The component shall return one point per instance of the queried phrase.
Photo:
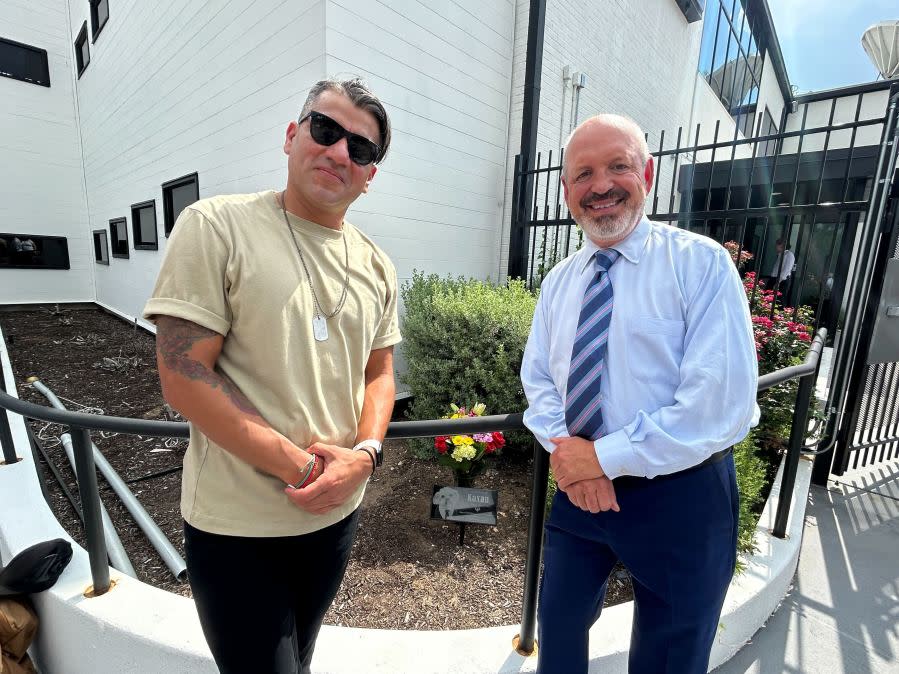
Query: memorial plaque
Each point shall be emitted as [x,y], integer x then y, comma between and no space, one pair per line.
[464,504]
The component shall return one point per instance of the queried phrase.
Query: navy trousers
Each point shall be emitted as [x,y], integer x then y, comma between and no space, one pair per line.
[676,535]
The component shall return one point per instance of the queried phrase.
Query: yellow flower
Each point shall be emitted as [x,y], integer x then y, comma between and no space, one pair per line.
[464,452]
[479,409]
[462,440]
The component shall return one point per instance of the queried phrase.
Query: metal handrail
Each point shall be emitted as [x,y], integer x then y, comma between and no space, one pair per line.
[81,425]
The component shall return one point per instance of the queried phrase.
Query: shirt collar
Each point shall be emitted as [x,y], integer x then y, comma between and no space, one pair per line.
[631,248]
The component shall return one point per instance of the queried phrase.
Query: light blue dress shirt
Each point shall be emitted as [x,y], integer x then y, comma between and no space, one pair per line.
[680,375]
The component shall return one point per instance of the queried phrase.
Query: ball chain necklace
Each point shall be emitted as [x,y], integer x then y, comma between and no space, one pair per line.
[319,319]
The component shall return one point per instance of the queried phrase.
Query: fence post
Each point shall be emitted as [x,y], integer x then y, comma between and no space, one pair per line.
[797,440]
[9,451]
[90,506]
[525,644]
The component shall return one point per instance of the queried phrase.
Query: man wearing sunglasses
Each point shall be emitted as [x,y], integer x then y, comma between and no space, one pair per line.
[276,320]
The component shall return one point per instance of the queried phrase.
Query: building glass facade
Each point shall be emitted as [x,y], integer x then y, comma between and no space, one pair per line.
[730,60]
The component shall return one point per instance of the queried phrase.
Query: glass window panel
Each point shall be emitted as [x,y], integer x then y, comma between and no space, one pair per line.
[741,26]
[102,12]
[182,197]
[147,224]
[709,29]
[721,45]
[733,69]
[21,62]
[101,247]
[33,251]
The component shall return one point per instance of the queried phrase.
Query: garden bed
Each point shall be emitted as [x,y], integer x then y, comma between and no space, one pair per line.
[96,362]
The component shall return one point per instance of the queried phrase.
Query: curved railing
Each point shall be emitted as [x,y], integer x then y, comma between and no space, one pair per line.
[80,427]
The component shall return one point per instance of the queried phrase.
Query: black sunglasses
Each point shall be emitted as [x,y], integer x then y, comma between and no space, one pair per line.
[325,131]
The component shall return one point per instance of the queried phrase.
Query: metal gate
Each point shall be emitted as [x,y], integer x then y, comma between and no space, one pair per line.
[823,186]
[868,429]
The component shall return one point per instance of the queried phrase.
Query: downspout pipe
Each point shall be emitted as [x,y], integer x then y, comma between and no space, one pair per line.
[117,555]
[519,239]
[157,538]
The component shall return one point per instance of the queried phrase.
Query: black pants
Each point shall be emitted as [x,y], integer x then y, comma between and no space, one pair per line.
[262,600]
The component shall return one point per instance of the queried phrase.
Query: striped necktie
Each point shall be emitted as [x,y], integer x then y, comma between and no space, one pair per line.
[583,409]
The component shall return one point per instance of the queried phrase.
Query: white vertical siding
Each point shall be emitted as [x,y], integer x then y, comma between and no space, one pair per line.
[640,60]
[180,87]
[443,71]
[41,185]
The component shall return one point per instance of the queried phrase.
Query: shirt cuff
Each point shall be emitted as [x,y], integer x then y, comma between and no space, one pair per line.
[617,456]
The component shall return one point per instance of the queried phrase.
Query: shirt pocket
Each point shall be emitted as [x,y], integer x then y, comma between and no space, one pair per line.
[655,349]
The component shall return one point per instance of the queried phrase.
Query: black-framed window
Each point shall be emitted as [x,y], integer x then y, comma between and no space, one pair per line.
[730,59]
[23,62]
[143,224]
[99,16]
[176,196]
[33,251]
[101,247]
[118,236]
[82,50]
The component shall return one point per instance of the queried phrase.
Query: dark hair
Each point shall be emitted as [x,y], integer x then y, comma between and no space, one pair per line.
[362,97]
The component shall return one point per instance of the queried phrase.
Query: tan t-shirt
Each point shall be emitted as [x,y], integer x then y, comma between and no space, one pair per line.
[232,266]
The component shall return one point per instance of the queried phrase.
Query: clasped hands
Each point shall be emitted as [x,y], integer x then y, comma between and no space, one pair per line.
[579,474]
[342,472]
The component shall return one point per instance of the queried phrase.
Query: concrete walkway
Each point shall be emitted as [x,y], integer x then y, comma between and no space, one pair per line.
[842,614]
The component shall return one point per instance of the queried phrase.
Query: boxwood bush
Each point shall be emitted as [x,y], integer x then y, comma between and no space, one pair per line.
[463,340]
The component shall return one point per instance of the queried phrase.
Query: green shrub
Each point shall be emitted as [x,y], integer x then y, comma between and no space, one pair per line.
[750,482]
[463,340]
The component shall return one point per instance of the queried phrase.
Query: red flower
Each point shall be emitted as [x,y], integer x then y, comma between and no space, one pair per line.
[498,439]
[440,444]
[490,448]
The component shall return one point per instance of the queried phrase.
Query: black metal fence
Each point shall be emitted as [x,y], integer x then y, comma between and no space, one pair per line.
[809,183]
[80,426]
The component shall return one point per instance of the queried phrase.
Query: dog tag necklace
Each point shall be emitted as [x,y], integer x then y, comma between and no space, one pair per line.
[320,316]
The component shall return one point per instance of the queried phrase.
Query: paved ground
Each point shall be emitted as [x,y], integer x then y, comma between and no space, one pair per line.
[843,612]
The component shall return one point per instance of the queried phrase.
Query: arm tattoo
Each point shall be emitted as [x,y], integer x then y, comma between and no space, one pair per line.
[175,337]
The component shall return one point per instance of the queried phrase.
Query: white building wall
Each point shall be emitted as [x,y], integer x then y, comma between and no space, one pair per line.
[640,60]
[41,181]
[213,92]
[770,95]
[443,70]
[188,87]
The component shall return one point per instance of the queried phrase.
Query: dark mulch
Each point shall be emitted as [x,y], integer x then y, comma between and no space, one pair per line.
[406,572]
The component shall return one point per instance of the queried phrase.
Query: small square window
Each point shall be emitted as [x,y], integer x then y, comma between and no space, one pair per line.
[82,50]
[143,223]
[99,16]
[176,196]
[101,247]
[118,234]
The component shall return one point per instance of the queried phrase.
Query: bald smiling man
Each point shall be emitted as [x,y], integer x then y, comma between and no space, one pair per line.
[640,373]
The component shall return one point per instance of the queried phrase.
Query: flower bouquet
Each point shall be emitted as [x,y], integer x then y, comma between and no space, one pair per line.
[465,454]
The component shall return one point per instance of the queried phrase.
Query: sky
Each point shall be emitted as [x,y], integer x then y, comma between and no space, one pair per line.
[821,39]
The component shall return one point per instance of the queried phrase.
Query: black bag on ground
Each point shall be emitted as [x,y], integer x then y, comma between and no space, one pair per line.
[36,568]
